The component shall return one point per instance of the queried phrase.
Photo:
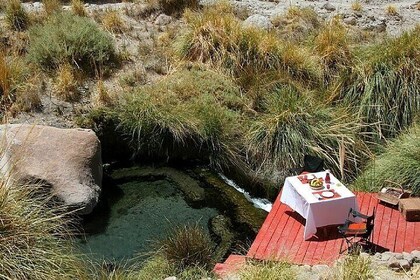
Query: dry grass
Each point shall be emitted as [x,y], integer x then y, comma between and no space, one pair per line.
[352,268]
[16,17]
[66,84]
[332,45]
[216,37]
[391,10]
[52,6]
[78,8]
[113,22]
[101,96]
[267,270]
[356,6]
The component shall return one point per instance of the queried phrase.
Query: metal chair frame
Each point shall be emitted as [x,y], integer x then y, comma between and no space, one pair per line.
[355,238]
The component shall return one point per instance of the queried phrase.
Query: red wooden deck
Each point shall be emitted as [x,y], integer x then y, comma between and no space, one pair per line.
[281,235]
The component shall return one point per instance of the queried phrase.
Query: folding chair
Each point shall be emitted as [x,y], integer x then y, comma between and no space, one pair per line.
[311,164]
[356,234]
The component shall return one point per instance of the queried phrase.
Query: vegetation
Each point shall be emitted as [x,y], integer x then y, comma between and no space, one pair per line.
[391,10]
[51,6]
[188,246]
[188,110]
[356,6]
[16,16]
[113,22]
[267,270]
[78,8]
[216,37]
[34,239]
[384,89]
[399,163]
[353,267]
[66,38]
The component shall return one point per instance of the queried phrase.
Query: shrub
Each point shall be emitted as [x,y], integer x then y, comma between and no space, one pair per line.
[66,38]
[293,125]
[399,163]
[188,246]
[332,45]
[353,267]
[189,112]
[51,6]
[267,270]
[217,37]
[384,88]
[356,6]
[297,24]
[391,10]
[78,8]
[65,86]
[16,16]
[34,237]
[176,6]
[113,22]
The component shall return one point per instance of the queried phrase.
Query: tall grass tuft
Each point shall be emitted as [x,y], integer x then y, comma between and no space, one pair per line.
[16,16]
[188,246]
[218,38]
[292,125]
[332,45]
[78,8]
[177,6]
[35,237]
[353,267]
[399,163]
[51,6]
[67,38]
[195,111]
[384,88]
[268,270]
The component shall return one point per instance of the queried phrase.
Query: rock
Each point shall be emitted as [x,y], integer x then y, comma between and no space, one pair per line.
[386,256]
[320,269]
[397,264]
[350,21]
[67,160]
[170,278]
[163,19]
[398,256]
[416,255]
[378,26]
[408,257]
[329,7]
[258,21]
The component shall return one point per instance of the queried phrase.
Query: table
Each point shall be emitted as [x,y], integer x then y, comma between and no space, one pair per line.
[318,213]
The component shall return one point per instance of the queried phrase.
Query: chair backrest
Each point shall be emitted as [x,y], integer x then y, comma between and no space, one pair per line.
[370,220]
[313,163]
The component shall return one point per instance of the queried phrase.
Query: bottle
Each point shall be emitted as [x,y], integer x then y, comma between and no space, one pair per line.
[327,178]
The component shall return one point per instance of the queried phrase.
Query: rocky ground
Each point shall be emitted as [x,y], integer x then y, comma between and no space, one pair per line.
[142,32]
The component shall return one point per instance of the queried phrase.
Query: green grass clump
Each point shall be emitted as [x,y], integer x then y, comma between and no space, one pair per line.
[399,163]
[188,247]
[384,88]
[16,16]
[292,125]
[70,39]
[215,36]
[194,111]
[267,270]
[34,236]
[332,45]
[353,267]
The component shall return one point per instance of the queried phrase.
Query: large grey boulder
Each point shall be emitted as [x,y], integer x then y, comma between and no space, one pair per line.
[258,21]
[67,160]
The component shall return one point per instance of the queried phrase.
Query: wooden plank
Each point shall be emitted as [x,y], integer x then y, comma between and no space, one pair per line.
[378,223]
[270,232]
[308,258]
[296,243]
[417,236]
[392,230]
[409,237]
[262,232]
[284,223]
[288,236]
[400,238]
[385,228]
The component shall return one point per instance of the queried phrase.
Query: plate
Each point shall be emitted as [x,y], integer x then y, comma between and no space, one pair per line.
[327,194]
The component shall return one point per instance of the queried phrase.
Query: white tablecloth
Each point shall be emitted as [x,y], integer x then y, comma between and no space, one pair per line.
[318,213]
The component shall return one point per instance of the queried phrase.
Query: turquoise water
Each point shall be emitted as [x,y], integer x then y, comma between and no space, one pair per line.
[137,214]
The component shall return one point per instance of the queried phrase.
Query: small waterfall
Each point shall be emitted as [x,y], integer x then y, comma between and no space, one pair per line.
[261,203]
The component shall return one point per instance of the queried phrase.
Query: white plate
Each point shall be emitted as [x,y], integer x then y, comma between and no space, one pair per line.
[327,194]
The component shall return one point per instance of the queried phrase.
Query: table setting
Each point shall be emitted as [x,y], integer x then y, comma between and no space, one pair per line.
[318,197]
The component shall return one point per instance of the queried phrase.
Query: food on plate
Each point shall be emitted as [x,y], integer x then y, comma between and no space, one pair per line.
[316,183]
